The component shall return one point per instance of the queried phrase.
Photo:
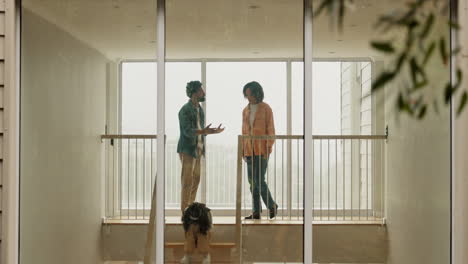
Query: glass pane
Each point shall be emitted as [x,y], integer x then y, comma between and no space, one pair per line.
[86,72]
[362,180]
[222,149]
[138,97]
[235,43]
[177,76]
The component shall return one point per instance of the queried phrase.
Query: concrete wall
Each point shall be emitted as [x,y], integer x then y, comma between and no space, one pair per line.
[62,116]
[418,178]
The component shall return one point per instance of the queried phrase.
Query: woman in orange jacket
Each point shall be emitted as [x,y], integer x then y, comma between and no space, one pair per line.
[257,120]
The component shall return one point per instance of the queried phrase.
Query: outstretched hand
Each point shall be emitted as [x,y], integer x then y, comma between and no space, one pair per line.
[209,130]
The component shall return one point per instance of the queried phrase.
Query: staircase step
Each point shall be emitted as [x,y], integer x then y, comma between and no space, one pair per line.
[220,252]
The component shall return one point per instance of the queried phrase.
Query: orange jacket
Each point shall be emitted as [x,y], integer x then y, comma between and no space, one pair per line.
[262,125]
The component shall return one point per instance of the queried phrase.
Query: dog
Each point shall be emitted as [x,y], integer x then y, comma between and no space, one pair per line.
[197,222]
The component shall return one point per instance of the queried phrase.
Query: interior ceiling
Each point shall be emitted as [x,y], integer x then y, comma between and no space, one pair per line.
[123,29]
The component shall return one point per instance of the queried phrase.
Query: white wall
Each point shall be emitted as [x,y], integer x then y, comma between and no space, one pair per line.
[62,116]
[418,179]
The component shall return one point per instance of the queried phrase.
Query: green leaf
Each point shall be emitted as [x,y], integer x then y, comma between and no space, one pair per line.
[429,53]
[401,104]
[400,61]
[416,71]
[427,26]
[443,50]
[459,75]
[324,4]
[451,89]
[420,85]
[448,93]
[422,112]
[413,70]
[341,13]
[454,25]
[462,103]
[383,46]
[382,79]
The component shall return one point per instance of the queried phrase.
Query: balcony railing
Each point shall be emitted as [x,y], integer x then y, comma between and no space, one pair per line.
[348,177]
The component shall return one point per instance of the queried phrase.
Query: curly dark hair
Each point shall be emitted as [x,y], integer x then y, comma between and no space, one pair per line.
[192,87]
[197,213]
[255,89]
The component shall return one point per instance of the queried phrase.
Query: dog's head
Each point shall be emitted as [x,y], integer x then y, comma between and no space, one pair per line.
[197,213]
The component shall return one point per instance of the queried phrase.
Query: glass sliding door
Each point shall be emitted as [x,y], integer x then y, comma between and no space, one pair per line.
[80,170]
[379,165]
[234,44]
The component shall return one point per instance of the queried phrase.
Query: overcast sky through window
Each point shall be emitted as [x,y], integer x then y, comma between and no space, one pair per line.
[225,100]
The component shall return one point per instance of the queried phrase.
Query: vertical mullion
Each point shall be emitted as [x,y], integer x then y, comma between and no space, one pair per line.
[205,161]
[308,123]
[161,139]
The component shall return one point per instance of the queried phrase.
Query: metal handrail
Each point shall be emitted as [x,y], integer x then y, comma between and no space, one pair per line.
[314,137]
[349,137]
[150,136]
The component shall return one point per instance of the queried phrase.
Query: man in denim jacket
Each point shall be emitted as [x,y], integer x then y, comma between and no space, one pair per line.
[191,145]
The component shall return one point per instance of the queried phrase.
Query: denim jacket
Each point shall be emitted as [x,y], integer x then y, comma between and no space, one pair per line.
[188,139]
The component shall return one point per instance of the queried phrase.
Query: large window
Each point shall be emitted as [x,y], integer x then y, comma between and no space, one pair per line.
[335,112]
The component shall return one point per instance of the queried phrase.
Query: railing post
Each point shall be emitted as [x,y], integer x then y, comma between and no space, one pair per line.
[239,200]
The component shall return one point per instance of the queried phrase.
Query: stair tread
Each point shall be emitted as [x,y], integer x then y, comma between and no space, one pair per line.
[215,244]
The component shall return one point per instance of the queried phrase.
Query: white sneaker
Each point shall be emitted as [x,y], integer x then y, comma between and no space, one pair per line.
[206,259]
[185,260]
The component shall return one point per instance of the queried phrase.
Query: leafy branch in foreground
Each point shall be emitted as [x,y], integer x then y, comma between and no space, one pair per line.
[418,20]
